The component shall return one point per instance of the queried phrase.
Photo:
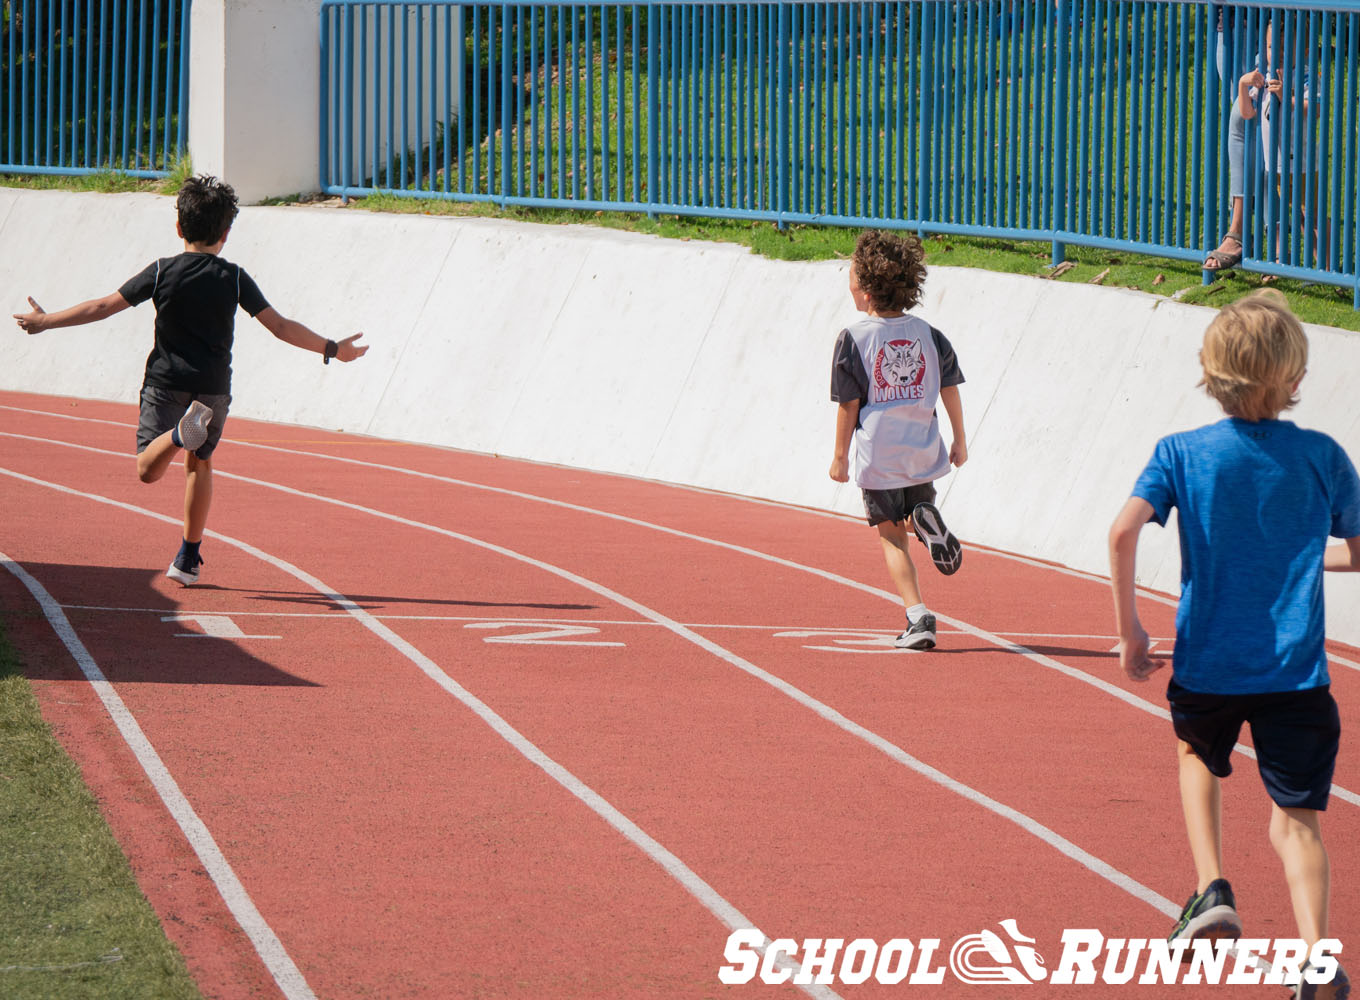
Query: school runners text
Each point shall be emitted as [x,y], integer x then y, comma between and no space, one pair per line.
[988,957]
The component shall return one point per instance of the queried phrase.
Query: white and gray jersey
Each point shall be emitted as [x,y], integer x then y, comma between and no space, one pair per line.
[895,368]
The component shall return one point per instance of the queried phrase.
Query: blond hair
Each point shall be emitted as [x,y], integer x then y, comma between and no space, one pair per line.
[1255,352]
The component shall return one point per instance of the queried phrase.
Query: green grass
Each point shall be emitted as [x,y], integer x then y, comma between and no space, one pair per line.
[73,923]
[105,181]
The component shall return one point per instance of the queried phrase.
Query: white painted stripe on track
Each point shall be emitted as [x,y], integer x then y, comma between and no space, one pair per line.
[891,750]
[707,896]
[536,619]
[992,638]
[266,943]
[1152,595]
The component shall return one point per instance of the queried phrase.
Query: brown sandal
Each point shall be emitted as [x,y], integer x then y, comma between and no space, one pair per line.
[1225,260]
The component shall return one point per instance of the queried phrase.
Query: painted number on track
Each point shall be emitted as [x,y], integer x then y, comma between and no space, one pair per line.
[844,642]
[542,634]
[213,627]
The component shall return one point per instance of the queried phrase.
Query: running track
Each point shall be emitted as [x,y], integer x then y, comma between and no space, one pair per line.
[440,724]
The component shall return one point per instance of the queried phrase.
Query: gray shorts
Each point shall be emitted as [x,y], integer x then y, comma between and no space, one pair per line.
[896,505]
[162,408]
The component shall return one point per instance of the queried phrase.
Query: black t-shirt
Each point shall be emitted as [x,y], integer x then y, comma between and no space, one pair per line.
[196,295]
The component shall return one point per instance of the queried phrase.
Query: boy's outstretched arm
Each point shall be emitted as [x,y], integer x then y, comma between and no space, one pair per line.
[847,419]
[290,331]
[91,311]
[1343,558]
[953,407]
[1133,638]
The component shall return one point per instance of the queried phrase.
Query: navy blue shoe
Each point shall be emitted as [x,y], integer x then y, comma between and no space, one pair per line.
[1338,989]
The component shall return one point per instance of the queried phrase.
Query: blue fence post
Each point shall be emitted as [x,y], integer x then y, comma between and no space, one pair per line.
[782,119]
[653,107]
[323,153]
[1058,183]
[1074,122]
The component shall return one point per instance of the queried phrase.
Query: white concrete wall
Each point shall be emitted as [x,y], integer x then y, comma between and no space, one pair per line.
[688,362]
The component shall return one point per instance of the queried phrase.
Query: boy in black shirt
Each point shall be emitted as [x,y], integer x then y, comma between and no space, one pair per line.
[187,388]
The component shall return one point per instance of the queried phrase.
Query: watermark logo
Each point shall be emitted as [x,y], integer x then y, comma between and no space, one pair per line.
[1019,964]
[1011,957]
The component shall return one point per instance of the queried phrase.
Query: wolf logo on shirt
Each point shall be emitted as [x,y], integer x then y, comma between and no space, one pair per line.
[899,370]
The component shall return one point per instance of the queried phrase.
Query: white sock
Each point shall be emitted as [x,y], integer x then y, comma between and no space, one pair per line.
[915,612]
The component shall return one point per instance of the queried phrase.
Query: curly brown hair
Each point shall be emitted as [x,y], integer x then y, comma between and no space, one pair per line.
[890,269]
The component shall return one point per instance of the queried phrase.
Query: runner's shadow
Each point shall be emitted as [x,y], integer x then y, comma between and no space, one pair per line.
[370,601]
[1073,651]
[140,628]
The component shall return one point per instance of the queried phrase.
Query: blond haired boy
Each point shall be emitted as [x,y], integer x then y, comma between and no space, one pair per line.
[1258,498]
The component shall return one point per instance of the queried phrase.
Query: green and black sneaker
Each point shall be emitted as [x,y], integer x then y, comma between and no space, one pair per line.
[1210,914]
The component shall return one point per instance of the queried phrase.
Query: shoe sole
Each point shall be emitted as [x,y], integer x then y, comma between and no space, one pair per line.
[193,426]
[179,576]
[1215,924]
[921,640]
[945,551]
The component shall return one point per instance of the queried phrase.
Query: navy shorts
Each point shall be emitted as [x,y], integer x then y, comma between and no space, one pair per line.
[896,505]
[1296,735]
[162,408]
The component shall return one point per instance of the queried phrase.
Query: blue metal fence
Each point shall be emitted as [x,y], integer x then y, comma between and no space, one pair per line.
[92,85]
[1103,123]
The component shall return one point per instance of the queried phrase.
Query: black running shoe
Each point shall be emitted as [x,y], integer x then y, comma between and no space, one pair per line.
[1209,914]
[919,634]
[1338,989]
[185,569]
[945,550]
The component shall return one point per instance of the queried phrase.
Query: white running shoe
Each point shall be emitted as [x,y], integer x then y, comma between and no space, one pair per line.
[193,426]
[184,570]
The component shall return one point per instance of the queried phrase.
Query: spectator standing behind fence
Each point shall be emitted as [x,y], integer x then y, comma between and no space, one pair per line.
[1257,499]
[1258,92]
[187,388]
[889,370]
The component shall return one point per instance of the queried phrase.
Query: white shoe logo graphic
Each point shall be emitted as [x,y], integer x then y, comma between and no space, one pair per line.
[1002,965]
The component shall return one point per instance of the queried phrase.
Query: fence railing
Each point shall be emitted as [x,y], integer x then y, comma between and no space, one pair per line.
[1103,123]
[93,85]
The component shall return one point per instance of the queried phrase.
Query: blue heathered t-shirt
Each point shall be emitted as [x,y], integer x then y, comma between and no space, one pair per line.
[1257,502]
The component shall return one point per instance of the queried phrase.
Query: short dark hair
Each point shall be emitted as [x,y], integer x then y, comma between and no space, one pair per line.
[206,208]
[890,269]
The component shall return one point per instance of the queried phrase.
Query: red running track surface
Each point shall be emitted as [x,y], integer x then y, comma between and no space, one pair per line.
[454,725]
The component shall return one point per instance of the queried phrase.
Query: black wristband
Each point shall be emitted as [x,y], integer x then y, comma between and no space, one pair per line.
[332,349]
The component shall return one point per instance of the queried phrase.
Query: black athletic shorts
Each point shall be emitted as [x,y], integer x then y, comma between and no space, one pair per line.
[896,505]
[162,408]
[1295,734]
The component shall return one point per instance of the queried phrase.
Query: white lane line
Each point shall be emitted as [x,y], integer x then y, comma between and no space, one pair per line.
[266,943]
[535,619]
[992,638]
[1044,833]
[894,752]
[1151,595]
[707,896]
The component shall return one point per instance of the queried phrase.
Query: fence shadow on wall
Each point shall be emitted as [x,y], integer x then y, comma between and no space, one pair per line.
[1090,122]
